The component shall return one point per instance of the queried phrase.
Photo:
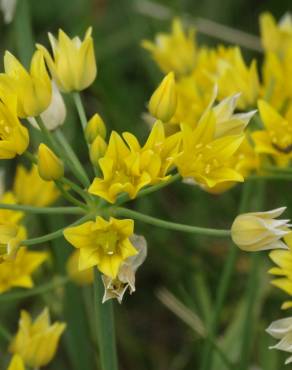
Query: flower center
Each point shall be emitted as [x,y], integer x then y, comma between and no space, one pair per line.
[108,241]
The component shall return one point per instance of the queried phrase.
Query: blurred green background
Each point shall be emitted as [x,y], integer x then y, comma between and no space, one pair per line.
[149,335]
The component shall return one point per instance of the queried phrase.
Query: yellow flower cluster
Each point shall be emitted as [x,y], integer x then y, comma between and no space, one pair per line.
[127,166]
[189,96]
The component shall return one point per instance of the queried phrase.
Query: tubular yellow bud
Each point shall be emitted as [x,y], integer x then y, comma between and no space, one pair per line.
[259,231]
[97,150]
[50,167]
[95,127]
[163,102]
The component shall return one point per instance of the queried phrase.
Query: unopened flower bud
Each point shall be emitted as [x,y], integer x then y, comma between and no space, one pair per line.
[54,116]
[260,231]
[163,102]
[95,127]
[97,150]
[50,167]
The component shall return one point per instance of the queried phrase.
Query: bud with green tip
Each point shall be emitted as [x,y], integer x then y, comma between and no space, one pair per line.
[50,167]
[95,127]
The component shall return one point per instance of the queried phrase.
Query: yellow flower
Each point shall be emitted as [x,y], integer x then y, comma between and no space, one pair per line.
[276,37]
[83,277]
[33,89]
[95,127]
[29,188]
[204,159]
[283,270]
[277,86]
[256,231]
[276,139]
[162,104]
[128,167]
[73,67]
[36,342]
[233,75]
[17,272]
[14,136]
[282,330]
[102,243]
[16,363]
[175,51]
[50,167]
[244,161]
[284,280]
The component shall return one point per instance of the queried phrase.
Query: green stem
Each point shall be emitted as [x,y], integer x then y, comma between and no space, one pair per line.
[55,234]
[119,211]
[59,281]
[5,333]
[105,327]
[248,322]
[276,177]
[48,136]
[151,189]
[78,190]
[68,196]
[281,170]
[251,294]
[224,358]
[223,286]
[32,158]
[43,210]
[61,150]
[23,31]
[72,157]
[80,109]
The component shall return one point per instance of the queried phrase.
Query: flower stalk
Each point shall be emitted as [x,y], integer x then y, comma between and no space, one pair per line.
[105,328]
[119,211]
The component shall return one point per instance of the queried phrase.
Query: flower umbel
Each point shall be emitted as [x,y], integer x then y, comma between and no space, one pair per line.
[37,341]
[258,231]
[102,243]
